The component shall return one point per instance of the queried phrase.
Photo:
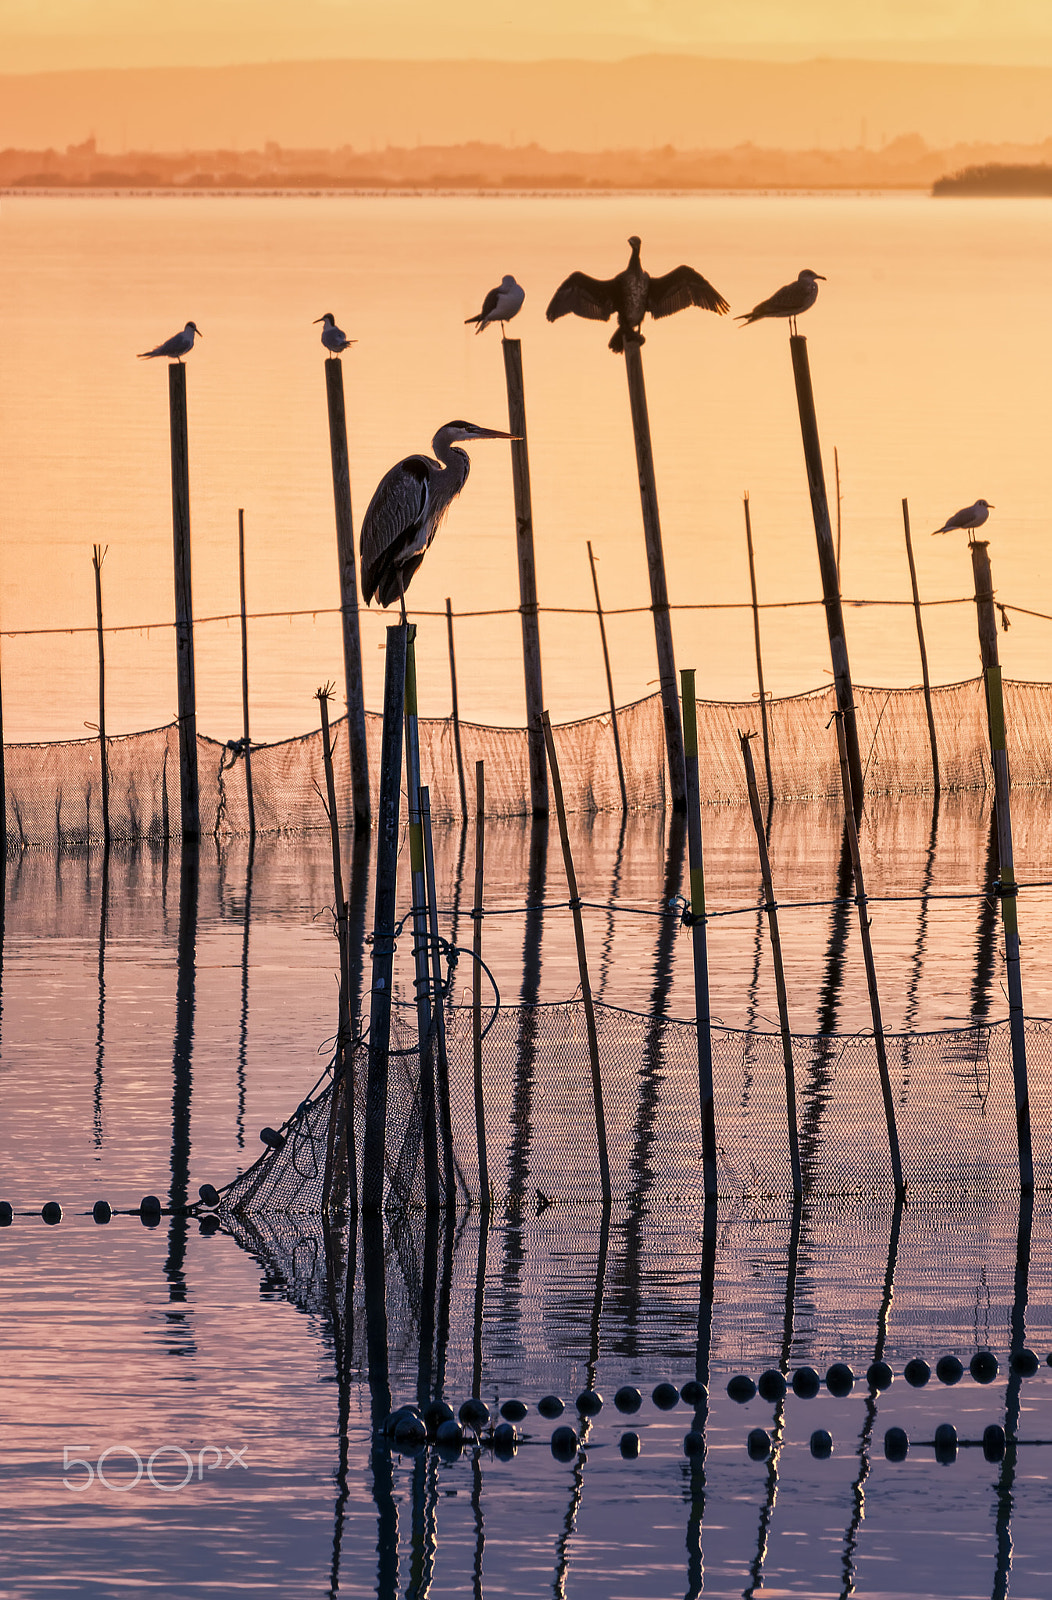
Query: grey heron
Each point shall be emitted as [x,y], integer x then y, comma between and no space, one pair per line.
[632,294]
[333,338]
[500,305]
[969,517]
[407,506]
[789,301]
[175,348]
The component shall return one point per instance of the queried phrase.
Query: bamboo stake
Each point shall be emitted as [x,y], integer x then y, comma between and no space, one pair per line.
[582,962]
[609,683]
[923,652]
[995,712]
[98,556]
[422,980]
[759,657]
[341,1088]
[637,397]
[699,945]
[867,955]
[531,636]
[771,908]
[245,738]
[445,1109]
[456,714]
[352,644]
[485,1194]
[189,790]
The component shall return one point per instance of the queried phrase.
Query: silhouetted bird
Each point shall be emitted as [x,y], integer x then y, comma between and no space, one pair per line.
[333,338]
[789,301]
[632,294]
[500,305]
[969,517]
[404,513]
[175,348]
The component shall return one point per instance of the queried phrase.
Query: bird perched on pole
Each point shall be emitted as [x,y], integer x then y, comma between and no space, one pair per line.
[175,348]
[500,305]
[969,517]
[410,501]
[789,301]
[632,294]
[333,338]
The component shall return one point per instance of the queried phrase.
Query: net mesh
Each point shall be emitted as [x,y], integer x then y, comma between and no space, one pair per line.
[54,794]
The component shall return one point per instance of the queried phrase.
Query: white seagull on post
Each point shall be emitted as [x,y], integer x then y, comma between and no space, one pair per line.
[175,348]
[969,518]
[500,305]
[333,338]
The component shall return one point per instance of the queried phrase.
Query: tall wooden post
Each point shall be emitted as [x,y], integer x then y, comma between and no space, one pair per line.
[98,556]
[387,837]
[456,714]
[245,736]
[357,747]
[827,561]
[189,792]
[609,683]
[422,980]
[934,743]
[531,634]
[699,945]
[995,711]
[445,1105]
[3,796]
[342,1089]
[759,656]
[485,1197]
[637,397]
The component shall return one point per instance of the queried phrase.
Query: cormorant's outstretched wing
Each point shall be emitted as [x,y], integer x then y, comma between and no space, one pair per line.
[680,288]
[585,297]
[394,519]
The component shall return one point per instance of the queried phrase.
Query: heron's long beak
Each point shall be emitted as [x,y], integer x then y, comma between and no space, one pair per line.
[495,433]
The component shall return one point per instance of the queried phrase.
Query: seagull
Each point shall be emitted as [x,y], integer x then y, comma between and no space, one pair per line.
[333,338]
[968,517]
[175,348]
[632,294]
[789,301]
[500,305]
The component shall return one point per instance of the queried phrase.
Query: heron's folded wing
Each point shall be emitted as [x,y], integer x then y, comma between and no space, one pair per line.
[680,288]
[585,297]
[392,518]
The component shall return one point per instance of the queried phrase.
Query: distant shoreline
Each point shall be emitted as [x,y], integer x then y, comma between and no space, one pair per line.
[447,192]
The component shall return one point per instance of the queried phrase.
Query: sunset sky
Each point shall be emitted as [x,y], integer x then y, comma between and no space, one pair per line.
[37,35]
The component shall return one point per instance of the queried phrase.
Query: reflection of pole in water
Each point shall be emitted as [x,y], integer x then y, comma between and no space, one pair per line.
[986,931]
[706,1297]
[375,1294]
[425,1467]
[182,1058]
[562,1549]
[917,967]
[1006,1477]
[476,1390]
[607,950]
[100,1032]
[815,1090]
[340,1291]
[778,1423]
[242,1042]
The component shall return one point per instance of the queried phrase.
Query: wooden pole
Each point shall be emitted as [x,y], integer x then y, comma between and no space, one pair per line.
[422,980]
[189,792]
[98,556]
[827,561]
[445,1106]
[923,652]
[851,830]
[995,711]
[759,657]
[3,800]
[637,397]
[699,945]
[609,683]
[582,962]
[341,1087]
[245,737]
[357,746]
[531,635]
[771,908]
[387,831]
[456,714]
[485,1194]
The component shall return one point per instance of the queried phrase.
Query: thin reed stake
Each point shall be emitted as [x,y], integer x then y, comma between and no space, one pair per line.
[827,560]
[867,955]
[839,504]
[771,908]
[923,652]
[485,1195]
[352,643]
[531,634]
[387,833]
[637,397]
[609,683]
[189,790]
[3,800]
[342,1091]
[582,962]
[245,736]
[759,656]
[445,1106]
[422,980]
[456,714]
[98,556]
[699,944]
[1007,890]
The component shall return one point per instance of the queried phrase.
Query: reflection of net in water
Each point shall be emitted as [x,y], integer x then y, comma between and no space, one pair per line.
[54,790]
[956,1125]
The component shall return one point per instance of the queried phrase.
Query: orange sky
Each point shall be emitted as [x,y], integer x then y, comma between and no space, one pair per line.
[37,35]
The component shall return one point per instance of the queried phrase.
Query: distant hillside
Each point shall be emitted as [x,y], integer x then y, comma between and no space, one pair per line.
[997,178]
[643,104]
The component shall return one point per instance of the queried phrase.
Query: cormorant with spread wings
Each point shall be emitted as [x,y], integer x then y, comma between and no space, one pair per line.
[631,295]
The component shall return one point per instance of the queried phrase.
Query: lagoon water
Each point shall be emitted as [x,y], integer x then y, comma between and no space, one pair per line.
[135,1060]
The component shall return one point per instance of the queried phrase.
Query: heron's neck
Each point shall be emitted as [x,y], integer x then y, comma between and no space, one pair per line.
[457,462]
